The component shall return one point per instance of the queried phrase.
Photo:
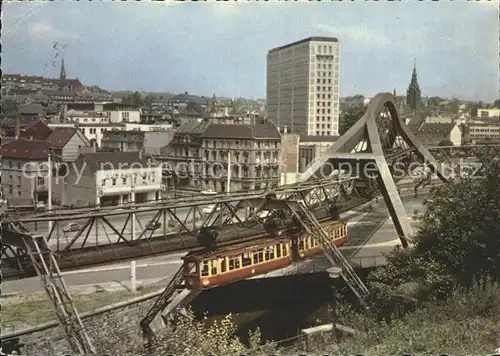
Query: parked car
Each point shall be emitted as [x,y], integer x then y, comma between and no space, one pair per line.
[209,192]
[72,227]
[40,205]
[154,226]
[209,208]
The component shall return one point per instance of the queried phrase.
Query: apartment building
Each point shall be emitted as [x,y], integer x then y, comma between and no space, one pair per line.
[94,131]
[25,171]
[201,152]
[479,131]
[110,178]
[303,86]
[151,142]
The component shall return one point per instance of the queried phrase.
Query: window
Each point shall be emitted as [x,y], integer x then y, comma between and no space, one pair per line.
[103,183]
[246,260]
[234,263]
[278,250]
[113,181]
[204,269]
[270,253]
[223,264]
[124,181]
[258,256]
[214,264]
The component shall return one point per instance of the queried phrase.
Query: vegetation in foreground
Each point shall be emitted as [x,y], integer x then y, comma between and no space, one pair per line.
[468,322]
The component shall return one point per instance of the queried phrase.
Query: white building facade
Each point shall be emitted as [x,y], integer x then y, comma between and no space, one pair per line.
[112,179]
[303,86]
[94,131]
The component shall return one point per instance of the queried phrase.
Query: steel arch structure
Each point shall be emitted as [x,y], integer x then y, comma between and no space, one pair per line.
[377,138]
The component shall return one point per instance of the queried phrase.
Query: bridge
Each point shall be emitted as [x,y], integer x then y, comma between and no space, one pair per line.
[374,155]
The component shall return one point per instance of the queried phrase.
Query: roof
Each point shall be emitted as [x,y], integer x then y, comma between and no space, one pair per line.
[305,138]
[24,122]
[26,149]
[186,97]
[261,130]
[110,160]
[436,128]
[192,127]
[209,129]
[309,39]
[30,109]
[60,136]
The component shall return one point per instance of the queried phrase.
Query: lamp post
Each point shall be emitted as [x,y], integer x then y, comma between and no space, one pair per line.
[133,286]
[334,273]
[49,199]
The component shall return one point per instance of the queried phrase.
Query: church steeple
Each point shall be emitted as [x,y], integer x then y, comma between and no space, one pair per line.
[62,75]
[213,107]
[413,95]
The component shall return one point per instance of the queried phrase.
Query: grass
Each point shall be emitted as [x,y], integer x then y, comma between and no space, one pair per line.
[468,322]
[27,310]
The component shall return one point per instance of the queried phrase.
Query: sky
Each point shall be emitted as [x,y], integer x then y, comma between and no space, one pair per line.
[221,48]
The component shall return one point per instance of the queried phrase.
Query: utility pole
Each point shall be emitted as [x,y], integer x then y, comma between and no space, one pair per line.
[49,200]
[133,287]
[228,189]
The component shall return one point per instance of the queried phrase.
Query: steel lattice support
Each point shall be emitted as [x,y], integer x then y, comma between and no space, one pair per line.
[47,269]
[173,296]
[308,222]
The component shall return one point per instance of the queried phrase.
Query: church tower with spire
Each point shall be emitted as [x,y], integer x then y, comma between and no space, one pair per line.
[62,75]
[413,95]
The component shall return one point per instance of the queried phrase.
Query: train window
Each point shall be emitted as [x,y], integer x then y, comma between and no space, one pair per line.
[214,264]
[223,264]
[278,250]
[204,269]
[270,253]
[246,260]
[234,263]
[258,256]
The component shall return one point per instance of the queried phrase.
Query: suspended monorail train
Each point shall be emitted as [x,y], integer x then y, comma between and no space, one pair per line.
[209,268]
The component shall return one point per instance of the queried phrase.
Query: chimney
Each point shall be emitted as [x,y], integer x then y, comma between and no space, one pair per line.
[18,127]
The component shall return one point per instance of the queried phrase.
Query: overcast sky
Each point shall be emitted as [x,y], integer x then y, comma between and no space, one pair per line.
[221,48]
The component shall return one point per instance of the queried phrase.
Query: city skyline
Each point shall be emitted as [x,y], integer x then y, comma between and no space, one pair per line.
[222,48]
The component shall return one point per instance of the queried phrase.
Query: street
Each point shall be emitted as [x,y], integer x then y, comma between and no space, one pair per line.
[371,233]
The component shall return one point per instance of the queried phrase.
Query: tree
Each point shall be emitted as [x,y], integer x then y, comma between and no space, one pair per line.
[134,99]
[454,106]
[149,99]
[9,106]
[350,117]
[445,143]
[458,241]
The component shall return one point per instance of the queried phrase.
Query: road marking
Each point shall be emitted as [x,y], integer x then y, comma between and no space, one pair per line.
[121,267]
[377,244]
